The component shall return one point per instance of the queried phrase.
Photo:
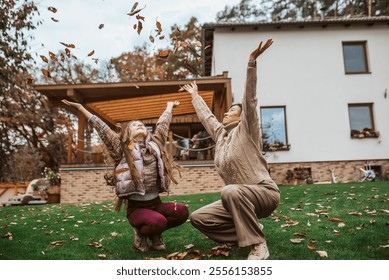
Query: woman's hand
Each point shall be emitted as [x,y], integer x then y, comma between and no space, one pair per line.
[172,104]
[78,106]
[191,88]
[258,51]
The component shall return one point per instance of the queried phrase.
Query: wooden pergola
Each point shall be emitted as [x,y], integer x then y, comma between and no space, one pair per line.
[122,102]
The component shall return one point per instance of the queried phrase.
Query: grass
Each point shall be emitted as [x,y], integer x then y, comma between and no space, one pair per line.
[347,221]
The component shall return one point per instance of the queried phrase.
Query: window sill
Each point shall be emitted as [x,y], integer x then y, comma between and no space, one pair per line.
[364,134]
[276,147]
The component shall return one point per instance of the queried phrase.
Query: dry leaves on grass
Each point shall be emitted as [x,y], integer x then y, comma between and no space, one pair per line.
[296,240]
[322,254]
[57,243]
[7,235]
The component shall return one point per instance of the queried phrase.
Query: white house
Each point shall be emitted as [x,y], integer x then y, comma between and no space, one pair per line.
[322,91]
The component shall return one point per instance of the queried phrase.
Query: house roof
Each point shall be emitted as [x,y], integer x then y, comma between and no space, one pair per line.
[122,102]
[209,28]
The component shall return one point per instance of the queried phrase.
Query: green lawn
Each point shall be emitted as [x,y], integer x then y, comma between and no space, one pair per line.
[346,221]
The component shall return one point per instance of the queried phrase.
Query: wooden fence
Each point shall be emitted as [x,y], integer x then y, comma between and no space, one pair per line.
[15,186]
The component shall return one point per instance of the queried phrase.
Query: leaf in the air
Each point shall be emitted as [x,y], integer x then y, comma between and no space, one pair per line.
[52,9]
[44,58]
[46,73]
[53,56]
[72,46]
[164,53]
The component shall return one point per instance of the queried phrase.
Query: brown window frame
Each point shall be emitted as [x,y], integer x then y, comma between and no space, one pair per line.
[365,132]
[286,146]
[364,45]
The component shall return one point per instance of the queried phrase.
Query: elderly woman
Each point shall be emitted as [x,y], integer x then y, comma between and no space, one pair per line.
[249,193]
[143,170]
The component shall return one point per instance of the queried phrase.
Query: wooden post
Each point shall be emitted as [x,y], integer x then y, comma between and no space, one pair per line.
[70,141]
[369,9]
[80,141]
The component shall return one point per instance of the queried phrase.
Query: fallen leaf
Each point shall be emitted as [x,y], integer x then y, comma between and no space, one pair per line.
[112,61]
[383,246]
[341,225]
[54,19]
[91,53]
[151,38]
[360,227]
[385,211]
[358,214]
[57,243]
[188,247]
[311,246]
[300,234]
[62,57]
[328,241]
[102,256]
[113,234]
[206,47]
[95,244]
[296,240]
[101,26]
[335,220]
[7,235]
[322,254]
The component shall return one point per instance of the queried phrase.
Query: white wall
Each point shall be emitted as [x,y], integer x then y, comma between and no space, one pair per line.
[304,71]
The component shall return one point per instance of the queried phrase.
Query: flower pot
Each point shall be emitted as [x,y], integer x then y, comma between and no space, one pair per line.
[53,198]
[53,190]
[53,194]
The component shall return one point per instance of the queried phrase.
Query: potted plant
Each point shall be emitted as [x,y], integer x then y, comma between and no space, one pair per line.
[35,189]
[53,190]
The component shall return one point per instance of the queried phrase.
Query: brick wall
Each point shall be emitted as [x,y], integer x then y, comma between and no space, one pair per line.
[84,183]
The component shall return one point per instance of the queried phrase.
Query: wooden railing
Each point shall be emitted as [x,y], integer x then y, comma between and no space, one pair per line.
[15,186]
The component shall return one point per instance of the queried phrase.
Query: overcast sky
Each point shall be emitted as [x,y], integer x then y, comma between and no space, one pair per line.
[78,23]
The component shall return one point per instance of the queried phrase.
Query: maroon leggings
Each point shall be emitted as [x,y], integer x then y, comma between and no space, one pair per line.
[154,216]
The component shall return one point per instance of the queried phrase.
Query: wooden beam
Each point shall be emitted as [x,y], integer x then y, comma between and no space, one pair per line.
[80,138]
[74,95]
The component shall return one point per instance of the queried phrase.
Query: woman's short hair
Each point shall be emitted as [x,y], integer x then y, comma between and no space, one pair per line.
[237,104]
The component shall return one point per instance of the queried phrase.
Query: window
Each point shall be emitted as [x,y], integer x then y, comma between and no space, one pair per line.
[273,125]
[355,58]
[361,120]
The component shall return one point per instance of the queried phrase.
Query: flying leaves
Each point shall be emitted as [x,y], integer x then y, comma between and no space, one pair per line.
[134,9]
[52,9]
[72,46]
